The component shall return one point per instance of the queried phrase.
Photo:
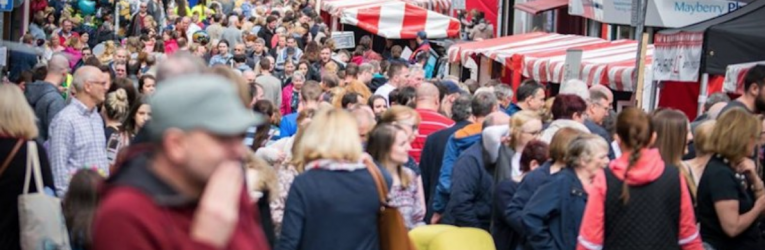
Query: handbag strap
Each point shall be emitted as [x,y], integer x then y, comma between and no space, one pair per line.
[382,187]
[33,167]
[10,156]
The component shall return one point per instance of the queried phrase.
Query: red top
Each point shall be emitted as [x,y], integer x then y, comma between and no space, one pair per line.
[431,121]
[129,219]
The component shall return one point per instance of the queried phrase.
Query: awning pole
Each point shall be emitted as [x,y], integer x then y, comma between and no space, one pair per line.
[638,20]
[703,93]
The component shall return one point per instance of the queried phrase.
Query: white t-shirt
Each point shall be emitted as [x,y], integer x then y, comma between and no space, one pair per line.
[515,165]
[384,91]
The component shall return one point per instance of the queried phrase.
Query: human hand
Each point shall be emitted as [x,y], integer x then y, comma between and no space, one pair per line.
[218,210]
[435,219]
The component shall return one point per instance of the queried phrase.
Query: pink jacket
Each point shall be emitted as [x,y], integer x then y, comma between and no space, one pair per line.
[285,107]
[171,46]
[647,169]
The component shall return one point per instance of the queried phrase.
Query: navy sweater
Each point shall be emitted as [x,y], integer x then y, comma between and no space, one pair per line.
[470,200]
[526,189]
[331,210]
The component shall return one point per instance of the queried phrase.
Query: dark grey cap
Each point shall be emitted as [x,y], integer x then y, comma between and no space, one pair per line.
[203,102]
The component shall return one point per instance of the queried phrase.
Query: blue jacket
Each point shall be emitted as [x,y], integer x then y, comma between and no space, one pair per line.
[526,189]
[514,108]
[22,61]
[505,238]
[321,199]
[471,193]
[288,126]
[432,159]
[553,215]
[461,140]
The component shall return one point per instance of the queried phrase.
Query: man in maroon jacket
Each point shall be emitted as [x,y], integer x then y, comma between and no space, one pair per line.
[184,189]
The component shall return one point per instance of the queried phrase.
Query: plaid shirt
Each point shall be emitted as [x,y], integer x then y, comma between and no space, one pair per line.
[77,140]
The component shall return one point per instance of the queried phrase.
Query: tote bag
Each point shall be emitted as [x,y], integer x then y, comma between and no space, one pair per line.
[40,216]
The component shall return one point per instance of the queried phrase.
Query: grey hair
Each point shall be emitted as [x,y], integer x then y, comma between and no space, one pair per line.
[575,87]
[416,70]
[503,91]
[375,66]
[84,74]
[461,109]
[715,98]
[483,103]
[582,148]
[180,63]
[366,67]
[298,75]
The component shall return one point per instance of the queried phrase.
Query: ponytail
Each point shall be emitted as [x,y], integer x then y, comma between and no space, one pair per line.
[635,129]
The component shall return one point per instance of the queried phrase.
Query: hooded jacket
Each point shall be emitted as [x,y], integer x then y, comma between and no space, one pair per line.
[139,210]
[482,31]
[46,101]
[459,142]
[646,170]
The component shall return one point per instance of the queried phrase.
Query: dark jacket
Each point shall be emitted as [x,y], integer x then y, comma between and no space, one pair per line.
[12,185]
[267,35]
[139,210]
[331,210]
[459,142]
[46,101]
[600,131]
[505,238]
[431,159]
[22,61]
[377,81]
[514,108]
[471,194]
[526,189]
[553,214]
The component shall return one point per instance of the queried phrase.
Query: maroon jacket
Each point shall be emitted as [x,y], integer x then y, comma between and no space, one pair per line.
[140,211]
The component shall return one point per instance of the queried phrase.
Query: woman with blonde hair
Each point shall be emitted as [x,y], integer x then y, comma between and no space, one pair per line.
[335,185]
[731,195]
[73,50]
[704,148]
[525,126]
[360,88]
[17,129]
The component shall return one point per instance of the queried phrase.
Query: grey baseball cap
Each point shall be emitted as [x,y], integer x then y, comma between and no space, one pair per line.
[205,102]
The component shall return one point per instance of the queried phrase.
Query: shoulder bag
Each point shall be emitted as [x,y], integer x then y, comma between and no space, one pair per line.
[391,227]
[41,220]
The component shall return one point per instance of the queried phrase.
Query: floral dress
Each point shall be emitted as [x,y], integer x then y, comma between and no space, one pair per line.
[408,200]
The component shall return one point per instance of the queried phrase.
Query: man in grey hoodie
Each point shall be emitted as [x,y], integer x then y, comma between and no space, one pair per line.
[44,96]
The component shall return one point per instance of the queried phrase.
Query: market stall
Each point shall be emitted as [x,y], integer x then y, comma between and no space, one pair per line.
[734,76]
[400,20]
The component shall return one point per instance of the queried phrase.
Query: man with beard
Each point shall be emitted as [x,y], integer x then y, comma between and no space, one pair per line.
[753,99]
[66,31]
[240,49]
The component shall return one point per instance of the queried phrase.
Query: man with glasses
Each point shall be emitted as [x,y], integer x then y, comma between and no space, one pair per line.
[598,109]
[77,137]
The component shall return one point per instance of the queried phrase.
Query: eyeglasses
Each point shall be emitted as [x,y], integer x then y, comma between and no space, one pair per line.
[607,108]
[103,83]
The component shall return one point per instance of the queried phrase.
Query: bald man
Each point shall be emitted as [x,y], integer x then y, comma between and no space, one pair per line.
[45,96]
[77,135]
[427,105]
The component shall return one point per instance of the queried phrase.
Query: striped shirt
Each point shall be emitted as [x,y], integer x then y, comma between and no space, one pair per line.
[77,140]
[431,121]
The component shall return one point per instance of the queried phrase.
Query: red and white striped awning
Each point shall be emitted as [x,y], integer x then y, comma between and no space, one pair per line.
[609,63]
[734,76]
[541,56]
[334,7]
[440,6]
[400,20]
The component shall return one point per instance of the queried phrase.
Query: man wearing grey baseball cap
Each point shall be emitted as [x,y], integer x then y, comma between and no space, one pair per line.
[187,192]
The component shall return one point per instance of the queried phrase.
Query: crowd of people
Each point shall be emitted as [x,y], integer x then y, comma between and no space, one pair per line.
[239,125]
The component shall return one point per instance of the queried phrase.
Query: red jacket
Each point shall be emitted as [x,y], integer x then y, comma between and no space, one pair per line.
[647,169]
[140,211]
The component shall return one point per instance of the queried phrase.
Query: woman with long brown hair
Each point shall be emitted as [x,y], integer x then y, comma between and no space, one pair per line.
[80,206]
[672,138]
[638,202]
[731,196]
